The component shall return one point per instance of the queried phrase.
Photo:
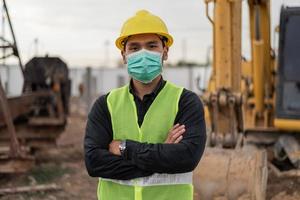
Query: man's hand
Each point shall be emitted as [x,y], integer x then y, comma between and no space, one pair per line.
[175,134]
[114,147]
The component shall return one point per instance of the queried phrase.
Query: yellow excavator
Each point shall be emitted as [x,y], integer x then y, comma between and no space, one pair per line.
[253,106]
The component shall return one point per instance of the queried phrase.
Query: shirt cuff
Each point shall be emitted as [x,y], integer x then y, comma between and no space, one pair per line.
[131,149]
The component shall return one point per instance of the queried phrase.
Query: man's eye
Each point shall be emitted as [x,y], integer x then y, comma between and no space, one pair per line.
[153,46]
[134,48]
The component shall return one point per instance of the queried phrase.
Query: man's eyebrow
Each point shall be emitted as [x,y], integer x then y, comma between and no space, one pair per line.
[138,43]
[153,42]
[133,44]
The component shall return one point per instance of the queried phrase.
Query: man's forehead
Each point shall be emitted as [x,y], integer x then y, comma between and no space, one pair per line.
[143,38]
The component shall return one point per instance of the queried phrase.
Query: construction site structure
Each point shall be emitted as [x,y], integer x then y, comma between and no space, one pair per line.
[253,106]
[35,119]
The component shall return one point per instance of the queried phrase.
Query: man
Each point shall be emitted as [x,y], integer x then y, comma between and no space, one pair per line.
[144,140]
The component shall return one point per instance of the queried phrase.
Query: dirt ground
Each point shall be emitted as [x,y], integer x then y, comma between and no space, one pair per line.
[64,166]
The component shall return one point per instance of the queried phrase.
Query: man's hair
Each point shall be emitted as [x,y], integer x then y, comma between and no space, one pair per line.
[164,40]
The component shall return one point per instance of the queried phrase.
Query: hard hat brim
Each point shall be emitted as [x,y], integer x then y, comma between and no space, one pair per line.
[120,45]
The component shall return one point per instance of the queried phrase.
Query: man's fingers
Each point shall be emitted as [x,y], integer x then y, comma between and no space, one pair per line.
[177,134]
[175,126]
[178,129]
[178,139]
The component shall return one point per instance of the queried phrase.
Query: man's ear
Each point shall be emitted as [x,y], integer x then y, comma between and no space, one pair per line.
[124,57]
[165,53]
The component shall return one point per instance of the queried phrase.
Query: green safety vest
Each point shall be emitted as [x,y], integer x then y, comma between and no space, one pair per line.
[158,120]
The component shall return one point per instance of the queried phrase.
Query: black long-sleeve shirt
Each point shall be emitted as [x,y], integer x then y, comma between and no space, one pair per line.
[144,159]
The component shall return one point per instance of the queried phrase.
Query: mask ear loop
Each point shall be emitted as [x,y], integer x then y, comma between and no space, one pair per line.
[164,43]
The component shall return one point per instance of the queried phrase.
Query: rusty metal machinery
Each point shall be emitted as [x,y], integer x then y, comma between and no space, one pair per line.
[35,119]
[49,74]
[39,115]
[252,106]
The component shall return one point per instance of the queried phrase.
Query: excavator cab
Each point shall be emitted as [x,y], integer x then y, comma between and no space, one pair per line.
[287,114]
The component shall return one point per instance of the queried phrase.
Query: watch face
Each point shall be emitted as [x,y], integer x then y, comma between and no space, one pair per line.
[122,146]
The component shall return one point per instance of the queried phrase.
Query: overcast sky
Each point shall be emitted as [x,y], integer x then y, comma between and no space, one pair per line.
[83,32]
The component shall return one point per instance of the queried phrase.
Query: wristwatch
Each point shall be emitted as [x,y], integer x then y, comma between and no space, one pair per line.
[122,147]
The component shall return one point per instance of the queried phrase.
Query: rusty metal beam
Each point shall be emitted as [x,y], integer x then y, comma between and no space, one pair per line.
[15,150]
[15,48]
[18,165]
[22,104]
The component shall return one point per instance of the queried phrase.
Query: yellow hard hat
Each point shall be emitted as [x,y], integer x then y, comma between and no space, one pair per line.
[143,22]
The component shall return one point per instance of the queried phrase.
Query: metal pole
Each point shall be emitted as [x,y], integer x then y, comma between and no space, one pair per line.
[36,47]
[88,88]
[16,51]
[3,34]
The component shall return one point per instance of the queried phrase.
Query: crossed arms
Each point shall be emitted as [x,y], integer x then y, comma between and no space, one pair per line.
[180,152]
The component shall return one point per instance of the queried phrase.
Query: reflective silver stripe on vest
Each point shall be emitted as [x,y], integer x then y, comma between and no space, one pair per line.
[157,179]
